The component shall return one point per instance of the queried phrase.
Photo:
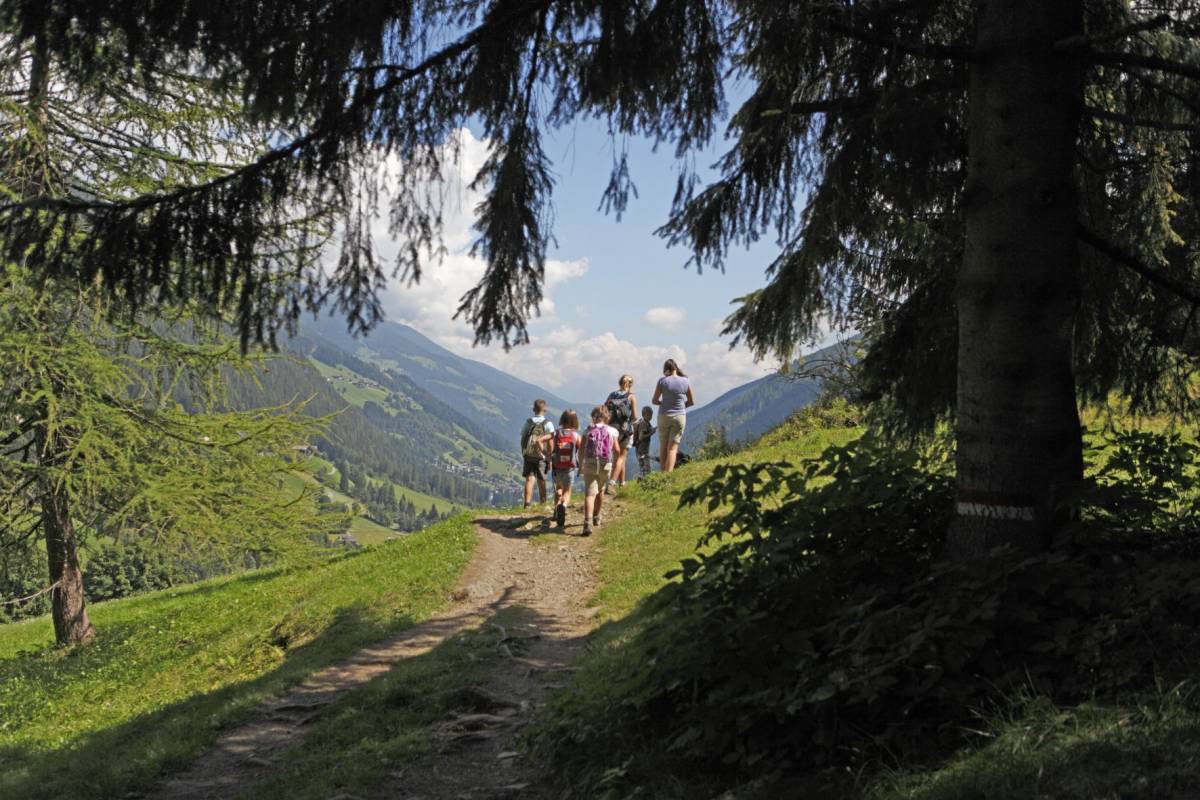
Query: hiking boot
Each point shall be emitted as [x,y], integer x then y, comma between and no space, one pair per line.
[596,519]
[560,515]
[587,530]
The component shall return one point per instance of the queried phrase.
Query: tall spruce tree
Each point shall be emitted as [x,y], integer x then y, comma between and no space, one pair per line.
[1002,193]
[92,439]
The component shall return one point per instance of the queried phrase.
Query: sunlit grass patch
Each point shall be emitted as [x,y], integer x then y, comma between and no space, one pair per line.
[170,669]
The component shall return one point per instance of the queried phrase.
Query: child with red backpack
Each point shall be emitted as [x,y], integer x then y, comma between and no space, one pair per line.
[601,449]
[564,457]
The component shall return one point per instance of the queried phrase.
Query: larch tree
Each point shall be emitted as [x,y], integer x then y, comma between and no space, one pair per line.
[1000,193]
[92,436]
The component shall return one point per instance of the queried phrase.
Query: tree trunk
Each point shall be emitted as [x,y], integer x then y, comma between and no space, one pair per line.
[69,609]
[1019,440]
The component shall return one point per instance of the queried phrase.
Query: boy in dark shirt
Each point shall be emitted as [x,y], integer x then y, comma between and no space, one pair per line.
[643,429]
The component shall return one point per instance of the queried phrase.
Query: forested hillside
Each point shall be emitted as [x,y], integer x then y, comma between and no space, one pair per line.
[495,400]
[396,439]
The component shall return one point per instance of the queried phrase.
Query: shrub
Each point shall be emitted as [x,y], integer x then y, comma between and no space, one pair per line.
[1145,481]
[716,444]
[826,414]
[123,569]
[827,632]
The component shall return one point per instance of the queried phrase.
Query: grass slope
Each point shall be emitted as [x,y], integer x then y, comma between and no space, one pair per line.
[654,534]
[169,670]
[1146,747]
[365,531]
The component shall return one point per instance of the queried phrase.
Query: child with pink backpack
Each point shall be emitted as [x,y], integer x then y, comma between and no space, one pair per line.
[600,451]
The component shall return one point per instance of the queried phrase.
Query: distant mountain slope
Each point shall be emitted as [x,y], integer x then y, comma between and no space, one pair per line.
[752,409]
[355,439]
[491,398]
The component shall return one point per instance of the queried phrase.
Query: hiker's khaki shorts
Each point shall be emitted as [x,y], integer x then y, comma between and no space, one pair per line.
[595,475]
[670,427]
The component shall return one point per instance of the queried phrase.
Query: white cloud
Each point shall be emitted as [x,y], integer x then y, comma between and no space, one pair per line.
[430,305]
[584,368]
[717,368]
[578,364]
[581,366]
[668,318]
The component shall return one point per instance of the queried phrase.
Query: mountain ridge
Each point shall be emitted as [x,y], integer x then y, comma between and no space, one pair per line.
[492,396]
[750,410]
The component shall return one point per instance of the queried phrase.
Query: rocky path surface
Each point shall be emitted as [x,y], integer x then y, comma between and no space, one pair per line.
[544,581]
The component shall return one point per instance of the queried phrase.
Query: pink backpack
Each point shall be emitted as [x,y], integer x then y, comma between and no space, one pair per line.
[598,444]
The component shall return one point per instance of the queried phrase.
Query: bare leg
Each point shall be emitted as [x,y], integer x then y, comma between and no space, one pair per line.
[541,484]
[528,489]
[669,462]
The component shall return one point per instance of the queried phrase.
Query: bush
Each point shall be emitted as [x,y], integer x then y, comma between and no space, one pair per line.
[716,444]
[827,632]
[826,414]
[1146,482]
[118,569]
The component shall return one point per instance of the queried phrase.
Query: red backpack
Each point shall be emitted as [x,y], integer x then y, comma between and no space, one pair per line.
[564,449]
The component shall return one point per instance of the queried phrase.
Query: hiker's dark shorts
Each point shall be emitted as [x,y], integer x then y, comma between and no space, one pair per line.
[533,466]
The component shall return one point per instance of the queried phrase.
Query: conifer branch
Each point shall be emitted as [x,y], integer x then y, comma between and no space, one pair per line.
[1192,103]
[1085,40]
[834,105]
[1139,61]
[253,168]
[936,51]
[1141,122]
[1115,254]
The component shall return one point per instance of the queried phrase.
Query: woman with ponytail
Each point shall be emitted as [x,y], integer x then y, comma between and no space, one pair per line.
[673,396]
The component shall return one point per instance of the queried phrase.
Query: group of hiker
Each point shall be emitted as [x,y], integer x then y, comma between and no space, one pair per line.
[599,452]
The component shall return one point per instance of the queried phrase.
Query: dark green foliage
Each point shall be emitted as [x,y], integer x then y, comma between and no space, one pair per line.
[716,444]
[119,570]
[354,435]
[1147,482]
[828,632]
[22,574]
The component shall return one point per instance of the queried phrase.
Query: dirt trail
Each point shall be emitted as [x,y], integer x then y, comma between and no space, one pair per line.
[547,581]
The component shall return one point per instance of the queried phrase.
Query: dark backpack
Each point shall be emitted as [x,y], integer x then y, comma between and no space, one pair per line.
[532,448]
[620,412]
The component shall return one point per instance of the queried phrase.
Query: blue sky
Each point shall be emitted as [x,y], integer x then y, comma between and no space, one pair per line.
[618,299]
